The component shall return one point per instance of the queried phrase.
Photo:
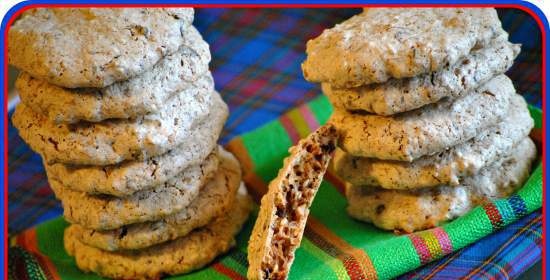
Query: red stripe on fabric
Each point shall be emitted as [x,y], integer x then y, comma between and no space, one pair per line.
[536,136]
[442,266]
[309,117]
[421,248]
[444,240]
[20,239]
[292,132]
[334,180]
[251,88]
[47,266]
[353,268]
[28,241]
[255,185]
[227,271]
[493,214]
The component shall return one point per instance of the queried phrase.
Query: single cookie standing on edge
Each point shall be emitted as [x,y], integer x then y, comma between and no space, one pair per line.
[284,209]
[182,255]
[94,47]
[385,43]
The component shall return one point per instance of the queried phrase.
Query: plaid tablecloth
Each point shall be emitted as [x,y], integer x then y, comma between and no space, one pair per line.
[256,65]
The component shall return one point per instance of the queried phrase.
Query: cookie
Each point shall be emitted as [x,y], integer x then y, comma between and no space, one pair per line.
[401,95]
[179,73]
[410,211]
[131,176]
[428,130]
[182,255]
[385,43]
[128,177]
[103,212]
[114,141]
[214,200]
[284,209]
[447,167]
[94,47]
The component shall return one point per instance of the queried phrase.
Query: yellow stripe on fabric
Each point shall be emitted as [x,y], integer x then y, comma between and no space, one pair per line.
[299,123]
[334,264]
[432,243]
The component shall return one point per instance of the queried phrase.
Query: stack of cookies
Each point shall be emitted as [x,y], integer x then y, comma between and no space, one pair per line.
[429,124]
[121,105]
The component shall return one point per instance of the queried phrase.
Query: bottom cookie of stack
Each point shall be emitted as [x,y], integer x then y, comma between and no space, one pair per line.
[177,243]
[182,255]
[412,210]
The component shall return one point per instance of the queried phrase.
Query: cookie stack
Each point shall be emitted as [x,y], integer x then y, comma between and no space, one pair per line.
[121,106]
[429,124]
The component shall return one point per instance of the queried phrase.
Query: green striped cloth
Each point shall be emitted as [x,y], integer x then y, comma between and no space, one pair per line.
[334,245]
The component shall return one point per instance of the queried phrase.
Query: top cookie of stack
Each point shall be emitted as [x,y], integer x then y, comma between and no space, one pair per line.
[421,103]
[95,47]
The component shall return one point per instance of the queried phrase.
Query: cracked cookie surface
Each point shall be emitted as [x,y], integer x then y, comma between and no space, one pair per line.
[446,167]
[214,200]
[284,208]
[410,211]
[94,47]
[427,130]
[114,141]
[182,255]
[178,73]
[103,212]
[402,95]
[385,43]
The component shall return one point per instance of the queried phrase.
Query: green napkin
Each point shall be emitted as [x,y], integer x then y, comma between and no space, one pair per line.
[334,245]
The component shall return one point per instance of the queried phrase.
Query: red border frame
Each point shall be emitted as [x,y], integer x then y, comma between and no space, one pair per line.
[526,9]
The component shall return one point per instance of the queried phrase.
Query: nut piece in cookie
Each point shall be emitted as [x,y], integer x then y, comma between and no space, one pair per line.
[284,209]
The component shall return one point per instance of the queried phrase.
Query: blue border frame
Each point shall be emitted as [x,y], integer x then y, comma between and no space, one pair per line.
[19,6]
